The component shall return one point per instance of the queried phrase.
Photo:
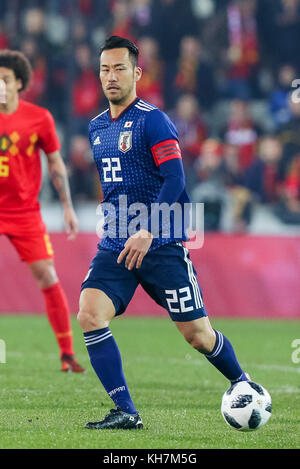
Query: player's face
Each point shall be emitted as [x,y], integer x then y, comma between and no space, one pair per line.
[12,84]
[118,76]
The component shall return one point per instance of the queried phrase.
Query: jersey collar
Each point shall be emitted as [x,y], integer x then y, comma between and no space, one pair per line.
[124,110]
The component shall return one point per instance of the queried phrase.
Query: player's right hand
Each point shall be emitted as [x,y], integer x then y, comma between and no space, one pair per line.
[135,249]
[71,222]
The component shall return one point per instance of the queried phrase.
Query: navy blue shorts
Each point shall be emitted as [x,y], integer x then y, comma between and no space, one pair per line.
[166,274]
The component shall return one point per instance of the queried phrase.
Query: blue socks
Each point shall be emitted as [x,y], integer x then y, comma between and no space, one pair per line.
[107,363]
[223,358]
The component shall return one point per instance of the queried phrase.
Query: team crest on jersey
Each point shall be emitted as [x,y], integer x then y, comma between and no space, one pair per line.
[125,141]
[5,143]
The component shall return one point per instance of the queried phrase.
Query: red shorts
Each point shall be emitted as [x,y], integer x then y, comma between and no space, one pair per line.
[28,234]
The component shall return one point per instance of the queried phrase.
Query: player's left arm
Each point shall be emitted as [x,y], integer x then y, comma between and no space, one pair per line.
[163,141]
[137,246]
[59,178]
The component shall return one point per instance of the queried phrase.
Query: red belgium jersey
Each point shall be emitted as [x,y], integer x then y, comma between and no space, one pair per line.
[22,134]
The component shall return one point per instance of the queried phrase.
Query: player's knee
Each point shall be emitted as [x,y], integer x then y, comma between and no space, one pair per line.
[90,320]
[95,310]
[87,319]
[44,274]
[201,341]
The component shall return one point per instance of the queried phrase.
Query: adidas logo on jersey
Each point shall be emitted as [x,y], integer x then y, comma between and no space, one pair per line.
[97,141]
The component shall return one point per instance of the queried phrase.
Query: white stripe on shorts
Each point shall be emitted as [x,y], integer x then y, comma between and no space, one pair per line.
[193,280]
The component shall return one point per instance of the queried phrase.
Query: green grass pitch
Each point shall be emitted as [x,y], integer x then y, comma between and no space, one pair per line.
[175,388]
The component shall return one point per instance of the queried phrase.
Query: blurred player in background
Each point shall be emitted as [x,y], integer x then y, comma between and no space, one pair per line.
[137,154]
[25,129]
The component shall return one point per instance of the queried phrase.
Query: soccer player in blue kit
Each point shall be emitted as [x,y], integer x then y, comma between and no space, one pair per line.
[137,154]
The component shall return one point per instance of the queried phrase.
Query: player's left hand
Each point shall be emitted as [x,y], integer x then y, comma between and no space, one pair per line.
[135,249]
[71,222]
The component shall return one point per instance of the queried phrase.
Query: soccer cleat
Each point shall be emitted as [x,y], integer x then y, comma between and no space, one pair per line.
[117,419]
[70,364]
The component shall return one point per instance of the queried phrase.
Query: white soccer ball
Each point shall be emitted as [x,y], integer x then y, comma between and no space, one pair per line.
[246,406]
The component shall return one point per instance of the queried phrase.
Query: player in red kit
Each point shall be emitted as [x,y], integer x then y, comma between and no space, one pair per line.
[25,129]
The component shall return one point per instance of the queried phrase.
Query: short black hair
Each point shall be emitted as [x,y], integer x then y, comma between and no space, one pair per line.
[117,42]
[16,61]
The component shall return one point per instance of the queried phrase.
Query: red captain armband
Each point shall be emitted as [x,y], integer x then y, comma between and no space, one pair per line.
[165,151]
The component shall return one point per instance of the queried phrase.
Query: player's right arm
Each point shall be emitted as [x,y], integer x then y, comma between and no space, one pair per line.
[59,178]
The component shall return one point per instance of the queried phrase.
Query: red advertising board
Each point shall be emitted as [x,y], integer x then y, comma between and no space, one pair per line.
[240,276]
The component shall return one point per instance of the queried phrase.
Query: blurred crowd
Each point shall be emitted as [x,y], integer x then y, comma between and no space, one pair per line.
[224,70]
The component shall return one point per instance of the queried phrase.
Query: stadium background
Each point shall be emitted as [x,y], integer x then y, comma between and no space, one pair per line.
[223,70]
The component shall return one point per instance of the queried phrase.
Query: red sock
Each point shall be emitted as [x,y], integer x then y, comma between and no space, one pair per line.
[59,317]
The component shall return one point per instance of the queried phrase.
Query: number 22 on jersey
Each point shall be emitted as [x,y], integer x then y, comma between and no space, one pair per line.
[112,169]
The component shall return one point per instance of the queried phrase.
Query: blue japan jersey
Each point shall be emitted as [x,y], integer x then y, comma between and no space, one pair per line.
[128,152]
